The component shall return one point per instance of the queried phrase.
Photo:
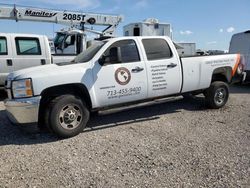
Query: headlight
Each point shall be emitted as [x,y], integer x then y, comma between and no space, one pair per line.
[22,88]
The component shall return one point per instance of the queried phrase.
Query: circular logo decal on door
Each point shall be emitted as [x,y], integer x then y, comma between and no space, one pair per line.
[122,76]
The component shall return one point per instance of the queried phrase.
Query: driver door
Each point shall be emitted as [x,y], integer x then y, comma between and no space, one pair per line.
[120,75]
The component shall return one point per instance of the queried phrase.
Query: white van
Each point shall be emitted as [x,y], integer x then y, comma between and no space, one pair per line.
[240,43]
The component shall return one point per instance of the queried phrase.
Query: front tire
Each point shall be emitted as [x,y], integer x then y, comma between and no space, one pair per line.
[217,94]
[67,116]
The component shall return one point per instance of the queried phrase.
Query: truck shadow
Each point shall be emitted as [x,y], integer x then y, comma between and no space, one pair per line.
[240,88]
[148,112]
[3,95]
[14,135]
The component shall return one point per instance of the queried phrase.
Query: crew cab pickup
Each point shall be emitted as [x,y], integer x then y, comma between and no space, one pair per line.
[110,73]
[19,51]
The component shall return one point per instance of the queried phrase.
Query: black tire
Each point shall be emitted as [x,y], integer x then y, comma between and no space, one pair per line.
[217,95]
[67,116]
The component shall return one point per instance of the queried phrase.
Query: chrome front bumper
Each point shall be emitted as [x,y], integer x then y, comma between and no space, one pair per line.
[23,111]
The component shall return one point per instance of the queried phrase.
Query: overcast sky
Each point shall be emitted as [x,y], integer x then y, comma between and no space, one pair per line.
[209,23]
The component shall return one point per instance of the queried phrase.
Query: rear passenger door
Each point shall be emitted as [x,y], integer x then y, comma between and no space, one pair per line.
[29,52]
[163,68]
[5,58]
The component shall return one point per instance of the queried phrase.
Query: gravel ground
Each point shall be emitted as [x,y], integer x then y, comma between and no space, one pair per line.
[174,144]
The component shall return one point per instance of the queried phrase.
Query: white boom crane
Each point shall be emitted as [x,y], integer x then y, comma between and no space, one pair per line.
[68,18]
[71,41]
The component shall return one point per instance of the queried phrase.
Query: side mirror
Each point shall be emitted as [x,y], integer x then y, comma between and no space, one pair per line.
[115,55]
[102,60]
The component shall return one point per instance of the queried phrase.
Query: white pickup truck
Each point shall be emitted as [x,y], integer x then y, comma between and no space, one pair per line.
[19,51]
[114,72]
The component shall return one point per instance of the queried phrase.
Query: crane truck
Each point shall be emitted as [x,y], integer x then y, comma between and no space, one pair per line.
[18,51]
[76,21]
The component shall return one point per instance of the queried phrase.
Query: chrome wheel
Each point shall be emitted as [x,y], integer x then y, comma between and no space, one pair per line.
[70,116]
[217,94]
[220,96]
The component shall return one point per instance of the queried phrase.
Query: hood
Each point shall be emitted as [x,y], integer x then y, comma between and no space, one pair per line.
[53,75]
[44,71]
[24,73]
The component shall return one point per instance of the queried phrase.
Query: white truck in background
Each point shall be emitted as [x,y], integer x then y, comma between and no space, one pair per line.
[152,27]
[19,51]
[187,49]
[114,72]
[148,27]
[240,43]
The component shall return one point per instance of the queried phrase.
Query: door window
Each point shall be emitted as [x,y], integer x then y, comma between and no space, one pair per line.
[128,52]
[3,46]
[70,40]
[157,49]
[69,45]
[28,46]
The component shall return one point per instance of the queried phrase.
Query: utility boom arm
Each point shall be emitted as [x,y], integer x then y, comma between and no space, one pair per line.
[69,18]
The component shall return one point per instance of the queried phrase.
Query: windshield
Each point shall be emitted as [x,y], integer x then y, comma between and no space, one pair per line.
[89,53]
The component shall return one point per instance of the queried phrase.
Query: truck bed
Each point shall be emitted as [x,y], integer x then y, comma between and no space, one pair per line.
[198,70]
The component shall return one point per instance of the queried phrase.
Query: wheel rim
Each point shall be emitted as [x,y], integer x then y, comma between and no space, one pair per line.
[220,96]
[70,116]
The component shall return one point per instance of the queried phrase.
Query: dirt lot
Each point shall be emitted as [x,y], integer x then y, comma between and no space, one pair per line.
[174,144]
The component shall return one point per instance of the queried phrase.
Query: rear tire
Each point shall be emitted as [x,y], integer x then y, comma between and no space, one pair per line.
[67,116]
[217,95]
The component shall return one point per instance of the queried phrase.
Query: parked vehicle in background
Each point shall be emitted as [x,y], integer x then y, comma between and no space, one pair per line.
[216,52]
[72,40]
[152,27]
[188,49]
[240,43]
[149,27]
[110,73]
[19,51]
[200,52]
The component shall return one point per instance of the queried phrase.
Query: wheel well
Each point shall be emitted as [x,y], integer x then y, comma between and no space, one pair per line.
[223,74]
[50,93]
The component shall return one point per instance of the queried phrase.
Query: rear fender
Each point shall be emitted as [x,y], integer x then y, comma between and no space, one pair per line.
[222,74]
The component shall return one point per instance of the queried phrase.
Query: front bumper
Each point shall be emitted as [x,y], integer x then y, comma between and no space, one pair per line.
[23,111]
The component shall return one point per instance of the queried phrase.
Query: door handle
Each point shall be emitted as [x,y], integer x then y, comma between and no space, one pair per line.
[9,62]
[43,62]
[137,69]
[172,65]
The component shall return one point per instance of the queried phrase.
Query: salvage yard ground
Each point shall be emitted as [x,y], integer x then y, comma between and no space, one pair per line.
[174,144]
